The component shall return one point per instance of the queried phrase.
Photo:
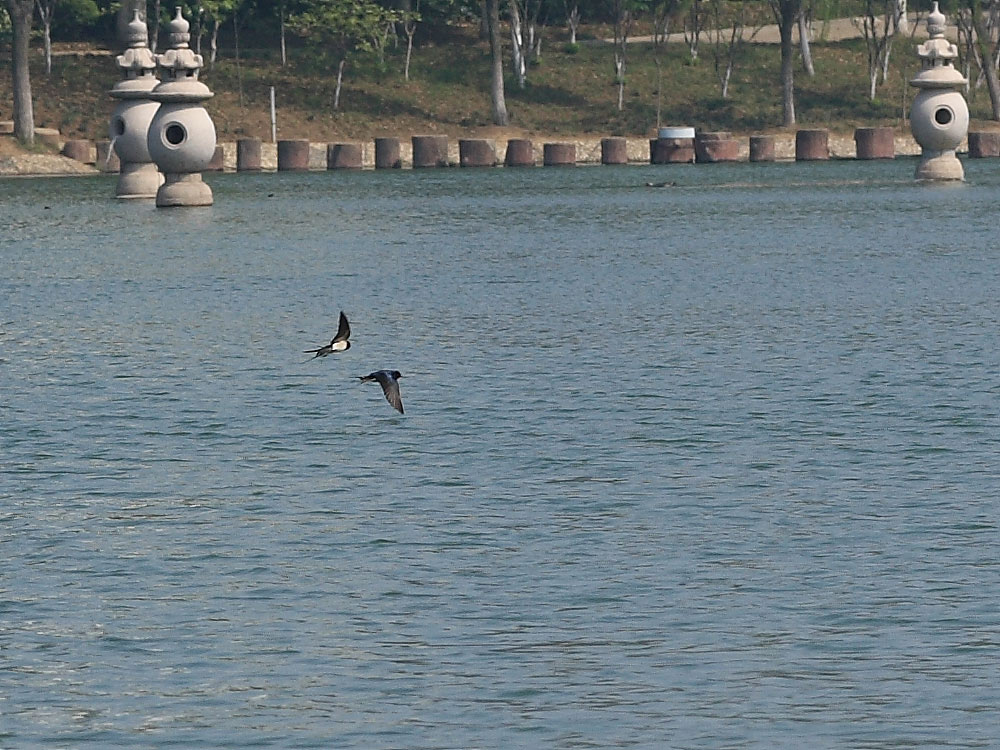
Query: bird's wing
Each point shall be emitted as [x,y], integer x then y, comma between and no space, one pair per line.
[391,390]
[343,330]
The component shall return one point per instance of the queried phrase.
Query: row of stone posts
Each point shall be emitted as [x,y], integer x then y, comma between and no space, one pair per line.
[297,155]
[690,148]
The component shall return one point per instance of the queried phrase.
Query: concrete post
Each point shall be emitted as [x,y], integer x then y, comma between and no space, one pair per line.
[762,148]
[344,156]
[559,154]
[387,153]
[248,156]
[476,152]
[812,145]
[875,143]
[430,151]
[520,153]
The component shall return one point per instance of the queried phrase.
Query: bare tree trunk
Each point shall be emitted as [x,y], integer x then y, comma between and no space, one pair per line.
[885,59]
[623,25]
[807,58]
[199,30]
[878,24]
[573,21]
[340,80]
[517,55]
[786,13]
[154,34]
[692,28]
[213,43]
[47,41]
[410,27]
[236,56]
[500,116]
[21,12]
[45,12]
[728,43]
[284,56]
[659,89]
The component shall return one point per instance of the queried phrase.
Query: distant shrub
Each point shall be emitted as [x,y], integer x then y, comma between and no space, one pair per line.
[571,48]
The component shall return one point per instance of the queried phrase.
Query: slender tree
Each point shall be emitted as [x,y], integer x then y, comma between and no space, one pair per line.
[410,18]
[805,31]
[21,12]
[154,25]
[623,14]
[500,117]
[729,37]
[694,22]
[572,8]
[523,32]
[878,25]
[343,28]
[786,13]
[217,12]
[46,10]
[985,50]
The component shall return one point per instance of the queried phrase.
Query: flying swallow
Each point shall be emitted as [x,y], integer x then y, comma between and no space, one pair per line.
[339,343]
[387,379]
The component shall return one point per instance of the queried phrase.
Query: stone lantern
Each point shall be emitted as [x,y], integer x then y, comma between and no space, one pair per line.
[939,117]
[139,177]
[181,136]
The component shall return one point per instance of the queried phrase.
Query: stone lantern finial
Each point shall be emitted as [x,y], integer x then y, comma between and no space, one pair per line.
[136,34]
[178,34]
[935,22]
[939,117]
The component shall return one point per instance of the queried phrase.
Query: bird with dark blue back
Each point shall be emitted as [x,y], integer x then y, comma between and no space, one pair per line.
[388,379]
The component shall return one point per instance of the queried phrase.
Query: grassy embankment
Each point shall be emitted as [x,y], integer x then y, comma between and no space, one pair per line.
[567,93]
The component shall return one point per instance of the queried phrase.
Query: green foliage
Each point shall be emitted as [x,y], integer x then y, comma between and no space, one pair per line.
[73,19]
[344,26]
[571,48]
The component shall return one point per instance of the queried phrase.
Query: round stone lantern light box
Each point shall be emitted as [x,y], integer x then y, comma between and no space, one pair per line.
[182,135]
[939,117]
[129,128]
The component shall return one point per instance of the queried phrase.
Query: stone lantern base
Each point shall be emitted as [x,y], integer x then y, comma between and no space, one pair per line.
[939,165]
[183,190]
[138,180]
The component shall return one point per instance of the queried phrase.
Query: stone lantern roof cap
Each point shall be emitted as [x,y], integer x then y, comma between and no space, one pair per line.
[180,65]
[137,63]
[937,55]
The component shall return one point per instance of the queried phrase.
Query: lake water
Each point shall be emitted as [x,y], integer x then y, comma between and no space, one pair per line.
[709,466]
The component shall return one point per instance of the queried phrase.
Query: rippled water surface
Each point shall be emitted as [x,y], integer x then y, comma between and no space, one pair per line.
[710,466]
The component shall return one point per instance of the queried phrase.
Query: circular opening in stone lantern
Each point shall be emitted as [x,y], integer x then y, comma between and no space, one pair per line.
[175,134]
[118,125]
[943,116]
